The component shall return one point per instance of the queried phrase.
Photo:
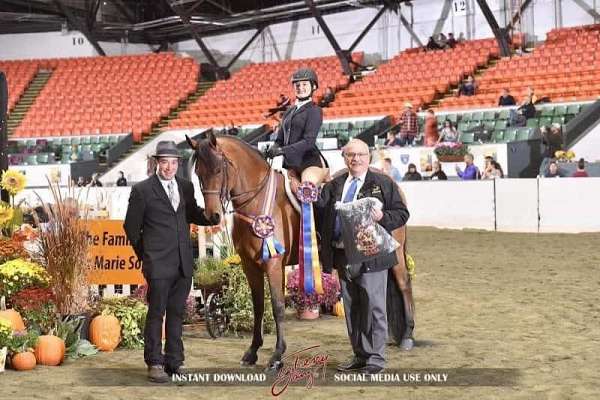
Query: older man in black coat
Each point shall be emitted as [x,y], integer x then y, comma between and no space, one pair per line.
[364,295]
[157,225]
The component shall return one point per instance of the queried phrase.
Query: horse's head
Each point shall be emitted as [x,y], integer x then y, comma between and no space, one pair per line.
[211,167]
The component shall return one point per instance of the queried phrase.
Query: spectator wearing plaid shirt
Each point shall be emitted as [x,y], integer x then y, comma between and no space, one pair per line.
[408,125]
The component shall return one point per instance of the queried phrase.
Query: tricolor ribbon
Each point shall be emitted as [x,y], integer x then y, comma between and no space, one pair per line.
[308,258]
[263,225]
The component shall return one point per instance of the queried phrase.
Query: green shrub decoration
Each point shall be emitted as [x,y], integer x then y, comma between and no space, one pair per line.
[238,304]
[131,313]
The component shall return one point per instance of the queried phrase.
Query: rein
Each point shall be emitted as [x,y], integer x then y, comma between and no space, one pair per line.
[224,193]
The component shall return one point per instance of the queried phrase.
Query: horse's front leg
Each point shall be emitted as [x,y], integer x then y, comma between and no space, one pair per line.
[275,273]
[255,277]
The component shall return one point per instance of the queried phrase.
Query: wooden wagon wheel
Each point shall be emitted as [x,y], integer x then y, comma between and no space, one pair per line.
[216,318]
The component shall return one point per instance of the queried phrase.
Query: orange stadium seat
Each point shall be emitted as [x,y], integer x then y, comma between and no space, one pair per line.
[255,88]
[565,68]
[105,94]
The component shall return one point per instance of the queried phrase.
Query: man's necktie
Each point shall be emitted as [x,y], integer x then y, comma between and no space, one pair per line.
[172,197]
[337,231]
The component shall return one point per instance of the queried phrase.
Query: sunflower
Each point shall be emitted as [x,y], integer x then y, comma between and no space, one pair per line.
[13,181]
[6,214]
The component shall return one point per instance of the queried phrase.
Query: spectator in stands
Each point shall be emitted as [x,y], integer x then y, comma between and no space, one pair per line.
[461,37]
[328,97]
[449,133]
[121,181]
[581,172]
[232,129]
[451,40]
[282,104]
[427,171]
[528,105]
[553,142]
[492,169]
[412,174]
[432,44]
[438,173]
[408,125]
[506,99]
[553,171]
[487,167]
[392,139]
[95,181]
[442,41]
[431,131]
[80,182]
[468,87]
[471,172]
[390,170]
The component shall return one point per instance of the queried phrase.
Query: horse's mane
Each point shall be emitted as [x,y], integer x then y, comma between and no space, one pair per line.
[207,155]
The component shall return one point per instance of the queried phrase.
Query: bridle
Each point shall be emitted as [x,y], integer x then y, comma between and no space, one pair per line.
[224,193]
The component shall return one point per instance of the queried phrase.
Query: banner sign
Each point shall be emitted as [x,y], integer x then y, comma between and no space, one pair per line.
[113,258]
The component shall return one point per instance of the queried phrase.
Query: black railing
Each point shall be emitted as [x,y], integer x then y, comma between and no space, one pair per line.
[579,126]
[114,152]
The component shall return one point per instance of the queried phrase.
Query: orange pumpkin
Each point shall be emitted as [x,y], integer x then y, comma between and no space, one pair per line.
[24,361]
[338,309]
[105,332]
[50,350]
[12,316]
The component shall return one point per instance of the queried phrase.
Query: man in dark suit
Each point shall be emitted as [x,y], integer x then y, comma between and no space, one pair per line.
[364,293]
[157,225]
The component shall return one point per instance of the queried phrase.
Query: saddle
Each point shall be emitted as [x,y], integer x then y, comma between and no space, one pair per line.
[292,182]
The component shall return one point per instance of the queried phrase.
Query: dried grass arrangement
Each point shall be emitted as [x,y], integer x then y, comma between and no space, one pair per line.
[63,249]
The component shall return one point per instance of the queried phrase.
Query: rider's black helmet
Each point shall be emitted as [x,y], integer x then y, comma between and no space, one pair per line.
[306,74]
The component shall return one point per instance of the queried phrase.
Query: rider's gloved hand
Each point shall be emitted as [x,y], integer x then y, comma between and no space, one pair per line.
[273,151]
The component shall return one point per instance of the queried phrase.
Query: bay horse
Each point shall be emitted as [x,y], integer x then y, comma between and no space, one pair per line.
[230,170]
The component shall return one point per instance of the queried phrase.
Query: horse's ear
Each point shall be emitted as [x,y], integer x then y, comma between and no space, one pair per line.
[193,143]
[212,139]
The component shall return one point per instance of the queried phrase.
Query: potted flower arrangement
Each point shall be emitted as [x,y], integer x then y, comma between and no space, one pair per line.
[6,334]
[307,306]
[450,151]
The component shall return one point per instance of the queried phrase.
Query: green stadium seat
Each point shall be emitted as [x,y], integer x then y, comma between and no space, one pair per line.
[86,140]
[510,134]
[547,112]
[94,139]
[500,124]
[545,121]
[498,136]
[104,139]
[477,116]
[584,107]
[504,114]
[42,158]
[31,159]
[489,125]
[467,138]
[559,120]
[573,109]
[489,115]
[560,111]
[523,133]
[463,126]
[466,117]
[30,143]
[532,123]
[114,139]
[451,117]
[76,140]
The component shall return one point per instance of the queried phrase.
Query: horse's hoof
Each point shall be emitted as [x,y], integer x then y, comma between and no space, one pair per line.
[407,344]
[274,366]
[248,360]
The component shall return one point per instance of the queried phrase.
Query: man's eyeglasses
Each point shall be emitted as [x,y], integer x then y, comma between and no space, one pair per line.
[352,155]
